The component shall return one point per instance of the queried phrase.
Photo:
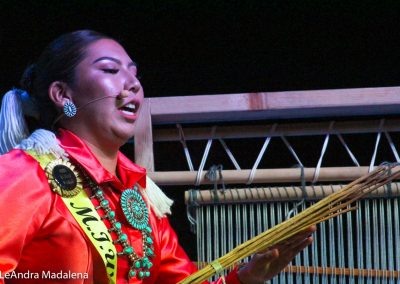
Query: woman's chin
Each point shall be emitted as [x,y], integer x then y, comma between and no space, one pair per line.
[124,134]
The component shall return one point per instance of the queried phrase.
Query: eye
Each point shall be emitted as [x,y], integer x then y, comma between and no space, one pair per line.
[110,70]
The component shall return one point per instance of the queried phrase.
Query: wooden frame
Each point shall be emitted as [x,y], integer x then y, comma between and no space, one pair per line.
[383,101]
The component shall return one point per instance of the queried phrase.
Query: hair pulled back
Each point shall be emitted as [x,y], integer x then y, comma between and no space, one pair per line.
[56,63]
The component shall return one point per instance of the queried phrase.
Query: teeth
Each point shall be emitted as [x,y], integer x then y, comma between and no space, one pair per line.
[129,108]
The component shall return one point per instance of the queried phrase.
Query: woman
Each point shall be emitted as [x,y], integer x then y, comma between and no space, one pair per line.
[73,208]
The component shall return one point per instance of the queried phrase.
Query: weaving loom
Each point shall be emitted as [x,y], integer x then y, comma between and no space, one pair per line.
[362,246]
[358,247]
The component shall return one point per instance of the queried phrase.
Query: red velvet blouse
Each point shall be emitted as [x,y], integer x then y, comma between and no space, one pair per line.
[40,241]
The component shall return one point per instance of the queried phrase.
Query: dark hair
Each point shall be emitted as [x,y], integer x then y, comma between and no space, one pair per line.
[56,63]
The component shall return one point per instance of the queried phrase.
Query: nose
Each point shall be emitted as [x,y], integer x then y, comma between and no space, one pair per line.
[136,85]
[132,83]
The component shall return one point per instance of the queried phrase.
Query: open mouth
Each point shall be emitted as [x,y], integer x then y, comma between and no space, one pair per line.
[129,109]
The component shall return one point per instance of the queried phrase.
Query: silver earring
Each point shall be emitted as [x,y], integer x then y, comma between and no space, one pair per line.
[69,109]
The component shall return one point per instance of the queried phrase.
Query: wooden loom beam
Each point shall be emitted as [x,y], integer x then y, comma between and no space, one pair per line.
[276,105]
[144,139]
[343,271]
[276,193]
[282,129]
[327,174]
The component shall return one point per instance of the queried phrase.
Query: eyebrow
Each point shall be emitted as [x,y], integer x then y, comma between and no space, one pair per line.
[114,60]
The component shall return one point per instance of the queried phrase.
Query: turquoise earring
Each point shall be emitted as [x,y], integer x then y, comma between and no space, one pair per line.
[69,109]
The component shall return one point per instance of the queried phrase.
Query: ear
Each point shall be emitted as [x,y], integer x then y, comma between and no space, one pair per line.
[58,93]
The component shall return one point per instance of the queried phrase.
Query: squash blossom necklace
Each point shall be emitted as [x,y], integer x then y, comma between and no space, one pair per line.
[136,212]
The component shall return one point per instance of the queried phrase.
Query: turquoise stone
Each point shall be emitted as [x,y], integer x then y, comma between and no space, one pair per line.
[149,240]
[147,273]
[138,264]
[145,260]
[150,252]
[123,237]
[117,225]
[149,265]
[104,203]
[99,192]
[136,208]
[111,214]
[141,274]
[148,229]
[128,250]
[132,273]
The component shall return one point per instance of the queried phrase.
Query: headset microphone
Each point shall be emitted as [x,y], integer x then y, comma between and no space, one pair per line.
[120,96]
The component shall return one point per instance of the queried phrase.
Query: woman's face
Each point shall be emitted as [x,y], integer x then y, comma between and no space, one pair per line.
[100,77]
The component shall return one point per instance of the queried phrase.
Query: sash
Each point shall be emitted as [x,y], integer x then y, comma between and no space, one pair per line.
[88,219]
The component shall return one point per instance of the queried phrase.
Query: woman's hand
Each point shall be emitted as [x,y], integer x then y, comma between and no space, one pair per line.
[263,266]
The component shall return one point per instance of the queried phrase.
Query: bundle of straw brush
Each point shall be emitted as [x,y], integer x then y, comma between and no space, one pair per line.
[331,206]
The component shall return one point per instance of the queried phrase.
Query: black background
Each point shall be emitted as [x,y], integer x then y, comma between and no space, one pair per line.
[209,47]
